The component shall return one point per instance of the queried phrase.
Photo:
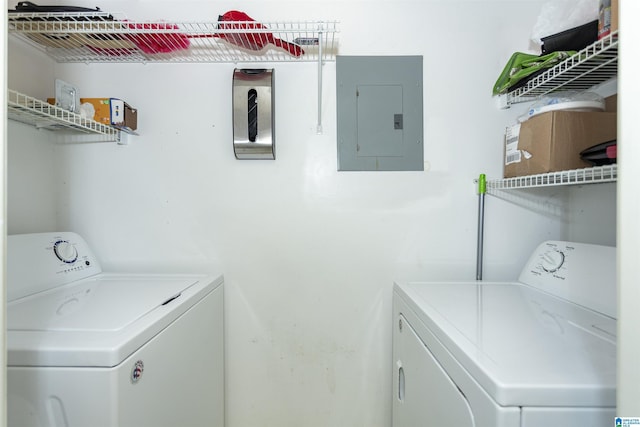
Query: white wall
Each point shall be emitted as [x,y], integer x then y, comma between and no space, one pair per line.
[309,254]
[3,221]
[31,170]
[628,213]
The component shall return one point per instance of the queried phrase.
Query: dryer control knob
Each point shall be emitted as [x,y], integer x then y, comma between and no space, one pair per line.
[65,251]
[552,261]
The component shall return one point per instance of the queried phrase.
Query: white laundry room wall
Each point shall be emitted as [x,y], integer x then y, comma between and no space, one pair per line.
[309,254]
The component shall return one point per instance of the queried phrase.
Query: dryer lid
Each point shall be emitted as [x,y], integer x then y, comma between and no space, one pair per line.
[523,346]
[97,321]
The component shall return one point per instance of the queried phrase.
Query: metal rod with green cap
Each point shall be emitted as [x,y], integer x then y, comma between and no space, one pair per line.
[482,190]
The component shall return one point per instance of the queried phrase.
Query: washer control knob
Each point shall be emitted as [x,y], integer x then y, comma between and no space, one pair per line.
[65,251]
[552,261]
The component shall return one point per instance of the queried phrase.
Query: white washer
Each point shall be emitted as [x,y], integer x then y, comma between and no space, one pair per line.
[537,352]
[88,348]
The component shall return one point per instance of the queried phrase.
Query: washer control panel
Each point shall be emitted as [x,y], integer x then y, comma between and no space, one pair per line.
[549,260]
[552,260]
[579,272]
[41,261]
[65,251]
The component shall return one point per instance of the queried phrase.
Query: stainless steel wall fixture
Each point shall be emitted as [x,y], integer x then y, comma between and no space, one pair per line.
[253,114]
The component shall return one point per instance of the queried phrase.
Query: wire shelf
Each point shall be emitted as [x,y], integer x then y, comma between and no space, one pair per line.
[101,37]
[593,175]
[592,65]
[42,115]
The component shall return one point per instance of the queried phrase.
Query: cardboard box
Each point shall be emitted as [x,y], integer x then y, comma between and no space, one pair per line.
[611,104]
[111,112]
[114,112]
[552,142]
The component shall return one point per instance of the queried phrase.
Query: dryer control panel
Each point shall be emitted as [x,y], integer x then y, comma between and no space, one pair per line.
[579,272]
[40,261]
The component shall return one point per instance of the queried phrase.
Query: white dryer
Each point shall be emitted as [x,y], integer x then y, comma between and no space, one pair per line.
[538,352]
[89,348]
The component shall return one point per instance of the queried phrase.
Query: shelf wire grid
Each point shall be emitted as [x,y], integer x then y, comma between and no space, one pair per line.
[43,115]
[592,65]
[101,37]
[593,175]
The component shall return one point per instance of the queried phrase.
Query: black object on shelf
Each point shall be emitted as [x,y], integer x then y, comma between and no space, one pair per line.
[605,153]
[29,7]
[573,39]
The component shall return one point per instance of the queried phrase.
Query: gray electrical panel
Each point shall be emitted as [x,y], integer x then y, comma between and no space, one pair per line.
[379,107]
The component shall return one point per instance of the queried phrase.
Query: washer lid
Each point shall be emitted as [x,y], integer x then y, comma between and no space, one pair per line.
[523,346]
[98,321]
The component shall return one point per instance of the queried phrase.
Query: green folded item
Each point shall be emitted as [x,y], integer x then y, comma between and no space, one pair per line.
[522,65]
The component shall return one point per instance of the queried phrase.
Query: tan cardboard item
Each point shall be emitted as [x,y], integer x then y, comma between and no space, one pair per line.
[552,142]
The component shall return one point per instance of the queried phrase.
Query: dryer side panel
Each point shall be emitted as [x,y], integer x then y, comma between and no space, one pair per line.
[423,393]
[436,390]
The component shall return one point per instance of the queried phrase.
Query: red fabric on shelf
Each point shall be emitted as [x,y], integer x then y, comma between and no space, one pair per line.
[251,41]
[152,43]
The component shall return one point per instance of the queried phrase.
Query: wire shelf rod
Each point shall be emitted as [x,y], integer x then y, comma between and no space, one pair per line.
[593,175]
